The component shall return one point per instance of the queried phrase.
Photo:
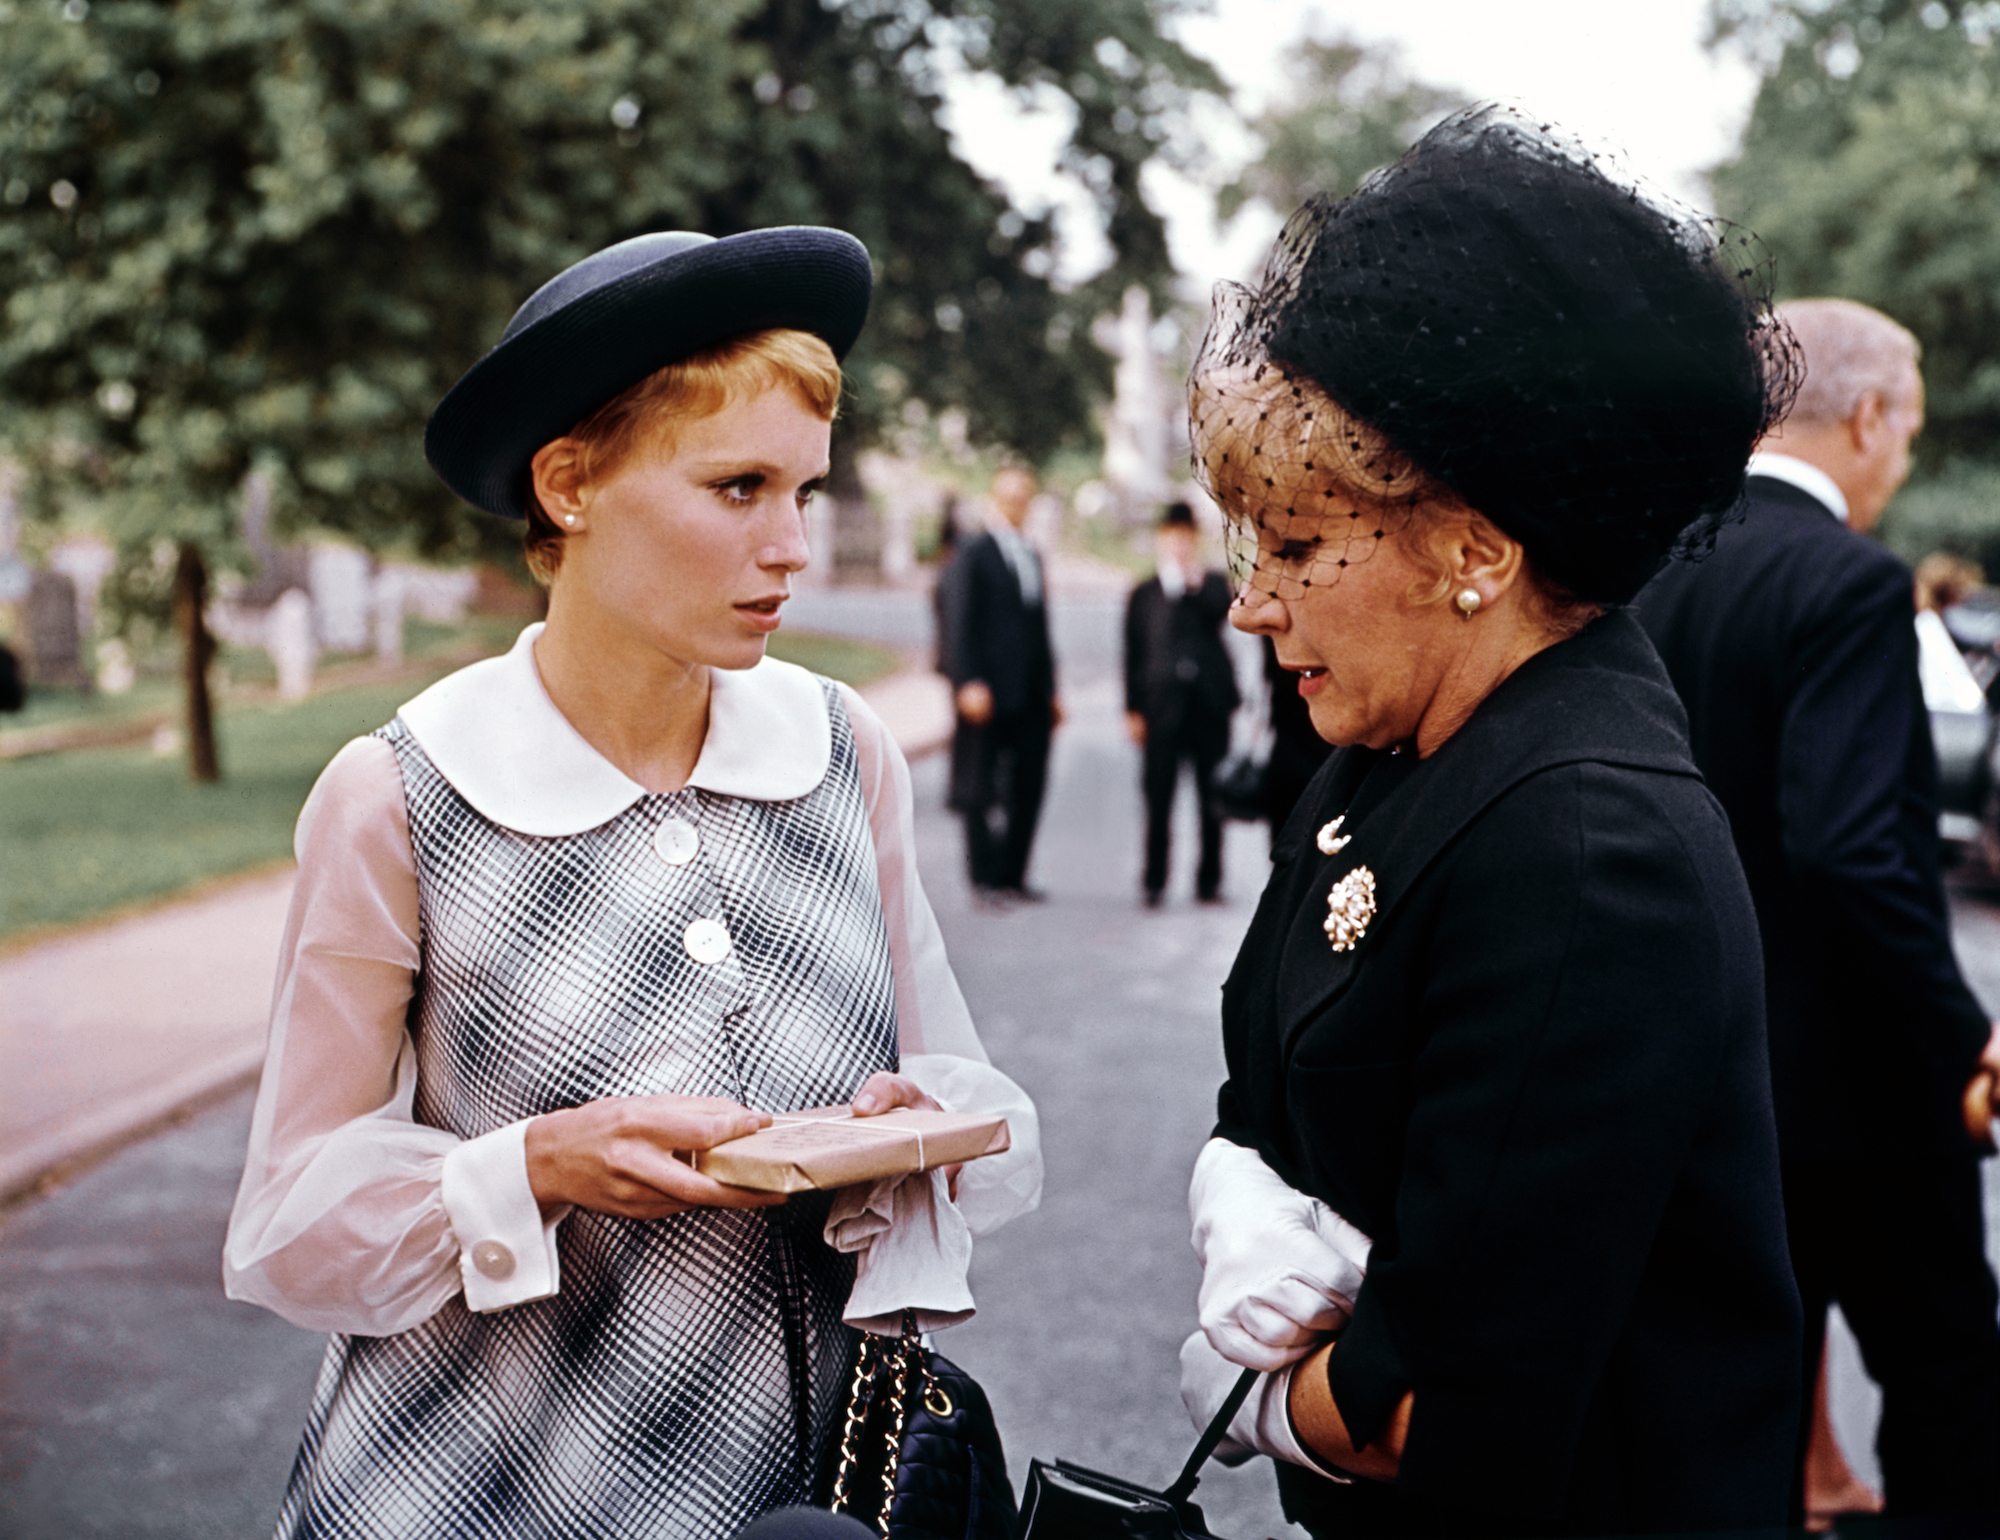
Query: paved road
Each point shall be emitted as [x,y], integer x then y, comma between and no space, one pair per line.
[135,1402]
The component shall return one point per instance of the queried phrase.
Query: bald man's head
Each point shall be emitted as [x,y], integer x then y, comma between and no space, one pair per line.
[1861,404]
[1849,350]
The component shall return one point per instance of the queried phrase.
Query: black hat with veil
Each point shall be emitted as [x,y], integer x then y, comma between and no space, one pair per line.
[1503,318]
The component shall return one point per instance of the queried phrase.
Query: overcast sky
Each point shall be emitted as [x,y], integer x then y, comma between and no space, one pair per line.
[1624,74]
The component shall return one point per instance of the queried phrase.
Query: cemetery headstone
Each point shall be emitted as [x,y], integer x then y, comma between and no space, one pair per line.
[115,673]
[15,577]
[342,598]
[288,637]
[440,595]
[87,562]
[278,567]
[55,652]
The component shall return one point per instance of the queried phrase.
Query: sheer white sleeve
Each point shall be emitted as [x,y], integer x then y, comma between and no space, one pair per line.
[351,1216]
[941,1050]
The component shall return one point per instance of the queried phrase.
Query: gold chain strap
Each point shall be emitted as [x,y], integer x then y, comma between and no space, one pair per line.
[910,1349]
[870,1362]
[858,1397]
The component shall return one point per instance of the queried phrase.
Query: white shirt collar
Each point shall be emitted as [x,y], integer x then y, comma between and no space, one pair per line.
[1020,556]
[493,732]
[1807,478]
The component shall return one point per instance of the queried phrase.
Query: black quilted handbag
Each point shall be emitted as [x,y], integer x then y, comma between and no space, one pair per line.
[920,1457]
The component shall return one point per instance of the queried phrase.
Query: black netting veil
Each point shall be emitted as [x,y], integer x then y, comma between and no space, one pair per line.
[1504,318]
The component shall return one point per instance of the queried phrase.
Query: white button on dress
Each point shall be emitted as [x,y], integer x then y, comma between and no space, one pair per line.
[676,841]
[493,1260]
[706,941]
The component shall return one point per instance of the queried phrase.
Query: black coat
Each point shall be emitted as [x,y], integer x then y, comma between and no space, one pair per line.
[993,634]
[1176,666]
[1794,648]
[1539,1082]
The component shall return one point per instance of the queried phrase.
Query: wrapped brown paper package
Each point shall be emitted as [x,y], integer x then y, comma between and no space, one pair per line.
[829,1147]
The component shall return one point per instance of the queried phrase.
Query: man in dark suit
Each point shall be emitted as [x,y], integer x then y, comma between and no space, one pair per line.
[1003,676]
[1794,649]
[1179,692]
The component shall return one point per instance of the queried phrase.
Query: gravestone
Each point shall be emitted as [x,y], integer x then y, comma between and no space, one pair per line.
[342,598]
[54,643]
[15,577]
[441,595]
[288,637]
[87,562]
[278,567]
[115,672]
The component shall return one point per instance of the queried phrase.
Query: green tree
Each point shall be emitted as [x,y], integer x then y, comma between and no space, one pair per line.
[1871,169]
[268,233]
[965,313]
[1347,109]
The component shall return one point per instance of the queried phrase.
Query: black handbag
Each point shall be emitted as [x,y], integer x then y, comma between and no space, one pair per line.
[1067,1502]
[920,1456]
[1237,786]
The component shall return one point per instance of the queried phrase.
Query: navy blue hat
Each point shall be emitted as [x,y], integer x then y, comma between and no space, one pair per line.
[600,327]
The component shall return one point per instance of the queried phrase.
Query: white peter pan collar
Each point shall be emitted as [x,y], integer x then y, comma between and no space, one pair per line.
[493,732]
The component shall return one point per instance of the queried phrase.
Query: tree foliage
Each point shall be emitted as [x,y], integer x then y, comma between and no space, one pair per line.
[1347,109]
[270,233]
[1871,169]
[966,314]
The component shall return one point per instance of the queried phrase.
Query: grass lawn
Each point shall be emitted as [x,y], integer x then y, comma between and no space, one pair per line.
[94,830]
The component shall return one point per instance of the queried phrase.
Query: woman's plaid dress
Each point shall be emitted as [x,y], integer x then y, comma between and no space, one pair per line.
[655,1394]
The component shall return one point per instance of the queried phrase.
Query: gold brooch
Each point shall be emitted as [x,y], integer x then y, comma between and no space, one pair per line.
[1330,840]
[1349,908]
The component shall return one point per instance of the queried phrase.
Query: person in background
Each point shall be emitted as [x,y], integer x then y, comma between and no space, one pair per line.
[945,597]
[950,534]
[1003,674]
[1944,580]
[1180,690]
[1793,649]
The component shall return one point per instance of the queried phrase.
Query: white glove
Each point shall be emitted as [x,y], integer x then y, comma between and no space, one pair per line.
[1279,1269]
[1262,1425]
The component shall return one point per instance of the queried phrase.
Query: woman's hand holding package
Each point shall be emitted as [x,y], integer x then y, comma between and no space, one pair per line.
[884,1092]
[1279,1268]
[623,1155]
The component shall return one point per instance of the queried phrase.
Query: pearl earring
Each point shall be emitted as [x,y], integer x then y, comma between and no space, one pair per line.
[570,520]
[1468,601]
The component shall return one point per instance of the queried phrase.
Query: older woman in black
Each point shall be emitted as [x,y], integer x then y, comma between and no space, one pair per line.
[1494,1196]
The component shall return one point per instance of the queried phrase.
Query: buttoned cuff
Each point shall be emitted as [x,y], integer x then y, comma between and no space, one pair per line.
[506,1252]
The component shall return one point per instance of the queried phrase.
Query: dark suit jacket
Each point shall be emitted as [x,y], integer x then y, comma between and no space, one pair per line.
[993,634]
[1176,666]
[1539,1081]
[1794,648]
